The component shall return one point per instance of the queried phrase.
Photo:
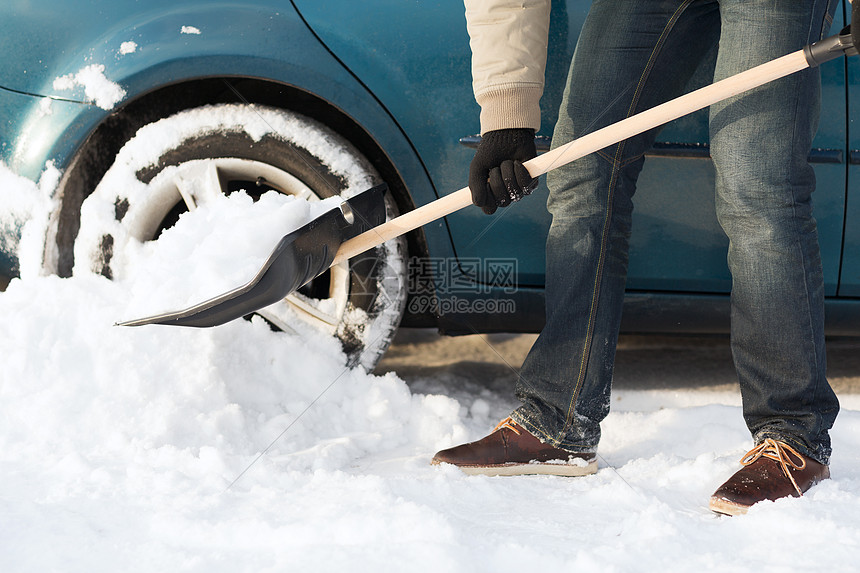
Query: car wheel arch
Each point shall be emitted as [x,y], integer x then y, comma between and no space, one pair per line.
[96,154]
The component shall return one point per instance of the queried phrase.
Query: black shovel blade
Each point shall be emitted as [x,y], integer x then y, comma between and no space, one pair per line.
[299,257]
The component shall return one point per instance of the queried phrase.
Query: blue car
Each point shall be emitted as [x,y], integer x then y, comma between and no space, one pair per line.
[385,88]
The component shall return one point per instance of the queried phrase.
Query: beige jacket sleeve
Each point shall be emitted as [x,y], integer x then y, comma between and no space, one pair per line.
[509,45]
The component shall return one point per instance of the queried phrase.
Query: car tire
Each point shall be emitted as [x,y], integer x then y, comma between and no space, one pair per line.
[258,148]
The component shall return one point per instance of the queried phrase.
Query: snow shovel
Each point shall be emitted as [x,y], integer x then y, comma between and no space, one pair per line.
[339,234]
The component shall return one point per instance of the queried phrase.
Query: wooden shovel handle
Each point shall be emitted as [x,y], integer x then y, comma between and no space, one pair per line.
[590,143]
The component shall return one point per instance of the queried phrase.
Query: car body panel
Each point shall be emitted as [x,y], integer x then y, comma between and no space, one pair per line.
[280,48]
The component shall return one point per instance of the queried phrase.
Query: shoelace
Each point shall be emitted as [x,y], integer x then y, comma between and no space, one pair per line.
[779,452]
[509,424]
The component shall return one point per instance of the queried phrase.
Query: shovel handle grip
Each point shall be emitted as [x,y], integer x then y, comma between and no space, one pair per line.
[582,146]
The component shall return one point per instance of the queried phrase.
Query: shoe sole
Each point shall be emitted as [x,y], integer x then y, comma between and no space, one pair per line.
[726,507]
[565,470]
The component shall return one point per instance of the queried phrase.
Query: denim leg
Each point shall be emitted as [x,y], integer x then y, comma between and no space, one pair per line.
[760,141]
[631,55]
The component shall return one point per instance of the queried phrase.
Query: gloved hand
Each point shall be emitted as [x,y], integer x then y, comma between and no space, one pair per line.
[497,176]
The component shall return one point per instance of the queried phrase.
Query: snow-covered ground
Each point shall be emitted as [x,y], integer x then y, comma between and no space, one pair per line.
[242,449]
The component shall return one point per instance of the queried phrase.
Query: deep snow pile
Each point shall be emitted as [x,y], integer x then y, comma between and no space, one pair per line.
[242,449]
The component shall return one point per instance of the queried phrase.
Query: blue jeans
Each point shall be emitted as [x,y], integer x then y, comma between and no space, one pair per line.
[633,55]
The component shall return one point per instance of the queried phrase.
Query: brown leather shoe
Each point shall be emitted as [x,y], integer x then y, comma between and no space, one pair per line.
[510,450]
[772,470]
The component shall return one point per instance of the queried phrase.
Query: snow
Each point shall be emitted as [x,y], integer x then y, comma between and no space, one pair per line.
[97,87]
[238,448]
[257,121]
[157,272]
[25,207]
[128,47]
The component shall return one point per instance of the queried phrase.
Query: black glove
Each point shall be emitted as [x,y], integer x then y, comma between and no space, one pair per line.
[497,176]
